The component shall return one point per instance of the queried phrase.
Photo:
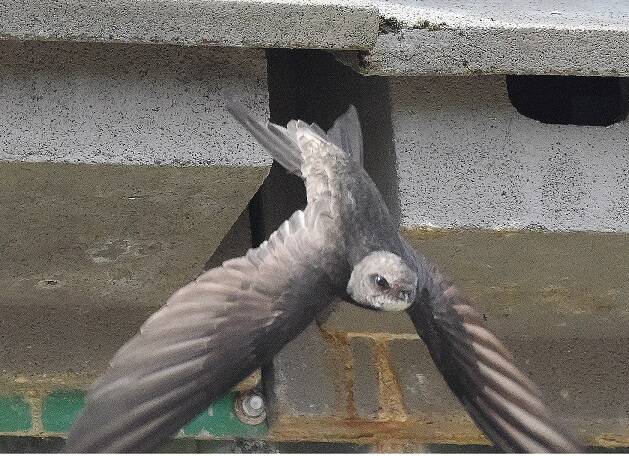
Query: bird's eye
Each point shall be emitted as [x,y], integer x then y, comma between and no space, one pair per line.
[381,282]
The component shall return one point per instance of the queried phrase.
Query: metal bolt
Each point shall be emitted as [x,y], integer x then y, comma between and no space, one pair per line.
[250,408]
[253,405]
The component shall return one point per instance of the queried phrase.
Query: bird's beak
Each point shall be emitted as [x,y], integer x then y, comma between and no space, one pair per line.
[349,299]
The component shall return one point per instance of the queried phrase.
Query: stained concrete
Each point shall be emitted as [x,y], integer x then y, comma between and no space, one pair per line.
[251,23]
[558,301]
[534,283]
[98,236]
[89,252]
[587,15]
[128,104]
[582,379]
[365,384]
[307,378]
[467,158]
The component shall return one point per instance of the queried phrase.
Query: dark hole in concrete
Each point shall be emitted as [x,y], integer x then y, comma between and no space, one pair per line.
[570,100]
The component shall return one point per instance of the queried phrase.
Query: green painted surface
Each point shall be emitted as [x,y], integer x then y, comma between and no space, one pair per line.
[60,409]
[15,414]
[221,420]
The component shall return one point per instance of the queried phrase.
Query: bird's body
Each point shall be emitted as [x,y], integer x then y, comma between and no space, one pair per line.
[219,328]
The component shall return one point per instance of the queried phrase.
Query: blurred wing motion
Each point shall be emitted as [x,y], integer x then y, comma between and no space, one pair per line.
[211,334]
[503,402]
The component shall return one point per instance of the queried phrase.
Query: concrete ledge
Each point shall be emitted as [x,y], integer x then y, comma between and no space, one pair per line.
[549,283]
[436,37]
[427,38]
[466,158]
[128,104]
[250,23]
[89,252]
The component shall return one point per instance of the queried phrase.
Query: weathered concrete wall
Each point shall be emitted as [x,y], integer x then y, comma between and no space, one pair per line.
[467,158]
[250,23]
[127,104]
[101,219]
[472,37]
[89,252]
[559,301]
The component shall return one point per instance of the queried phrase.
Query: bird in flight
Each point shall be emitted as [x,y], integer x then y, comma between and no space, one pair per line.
[218,329]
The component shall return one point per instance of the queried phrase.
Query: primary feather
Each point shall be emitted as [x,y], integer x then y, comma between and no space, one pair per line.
[501,399]
[210,334]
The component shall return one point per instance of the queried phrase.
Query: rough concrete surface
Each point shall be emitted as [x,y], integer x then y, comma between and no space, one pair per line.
[537,282]
[88,252]
[467,158]
[559,301]
[354,319]
[424,391]
[308,377]
[365,384]
[582,379]
[473,51]
[401,38]
[561,305]
[250,23]
[128,104]
[497,37]
[558,14]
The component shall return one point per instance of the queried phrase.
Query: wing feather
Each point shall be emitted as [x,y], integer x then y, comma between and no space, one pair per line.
[503,401]
[210,334]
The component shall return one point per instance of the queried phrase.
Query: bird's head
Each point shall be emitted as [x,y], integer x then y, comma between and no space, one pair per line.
[382,281]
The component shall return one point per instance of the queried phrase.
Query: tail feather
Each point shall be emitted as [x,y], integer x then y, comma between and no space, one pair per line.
[274,138]
[283,142]
[347,135]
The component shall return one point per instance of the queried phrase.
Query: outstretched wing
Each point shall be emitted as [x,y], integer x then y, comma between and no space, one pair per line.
[211,334]
[503,402]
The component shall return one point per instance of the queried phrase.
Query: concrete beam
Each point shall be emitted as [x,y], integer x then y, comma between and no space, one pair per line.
[398,38]
[249,23]
[559,301]
[466,158]
[90,252]
[128,104]
[437,37]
